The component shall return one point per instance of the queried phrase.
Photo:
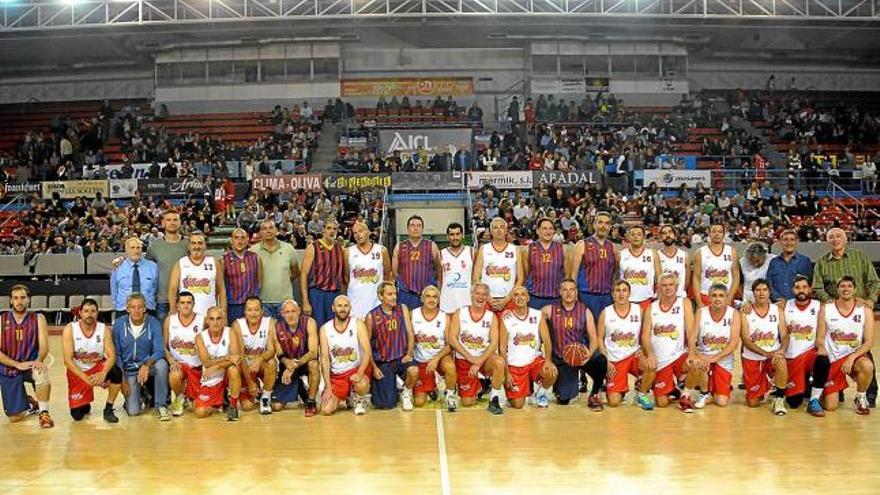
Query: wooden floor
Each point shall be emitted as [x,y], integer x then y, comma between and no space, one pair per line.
[558,450]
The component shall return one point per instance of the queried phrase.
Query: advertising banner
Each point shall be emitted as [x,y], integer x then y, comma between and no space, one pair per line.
[19,188]
[356,182]
[432,140]
[76,188]
[173,187]
[501,180]
[407,86]
[123,188]
[288,183]
[673,179]
[564,179]
[426,181]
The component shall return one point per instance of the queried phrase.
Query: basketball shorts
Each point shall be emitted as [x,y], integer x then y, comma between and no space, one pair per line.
[719,380]
[625,367]
[12,390]
[756,377]
[468,386]
[427,382]
[536,302]
[837,378]
[523,377]
[410,299]
[254,377]
[665,381]
[322,304]
[287,393]
[80,393]
[192,379]
[211,396]
[341,384]
[384,391]
[798,368]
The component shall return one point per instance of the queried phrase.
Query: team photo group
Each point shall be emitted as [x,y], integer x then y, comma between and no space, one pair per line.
[647,323]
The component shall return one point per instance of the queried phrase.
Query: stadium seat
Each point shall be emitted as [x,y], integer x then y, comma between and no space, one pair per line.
[75,302]
[4,303]
[57,304]
[39,303]
[106,303]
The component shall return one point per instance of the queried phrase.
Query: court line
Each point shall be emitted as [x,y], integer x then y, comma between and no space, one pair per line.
[445,488]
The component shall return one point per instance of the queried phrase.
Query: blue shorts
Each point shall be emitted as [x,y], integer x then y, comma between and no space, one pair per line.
[322,304]
[286,394]
[385,390]
[234,312]
[15,399]
[410,299]
[596,302]
[536,302]
[272,310]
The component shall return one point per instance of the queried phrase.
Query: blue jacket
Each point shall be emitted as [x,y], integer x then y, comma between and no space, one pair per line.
[132,353]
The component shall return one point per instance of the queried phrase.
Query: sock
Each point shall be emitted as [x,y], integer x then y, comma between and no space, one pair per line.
[408,389]
[779,392]
[495,393]
[816,393]
[450,392]
[233,401]
[862,395]
[44,406]
[267,394]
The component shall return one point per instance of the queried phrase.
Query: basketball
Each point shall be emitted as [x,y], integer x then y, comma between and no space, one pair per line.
[575,355]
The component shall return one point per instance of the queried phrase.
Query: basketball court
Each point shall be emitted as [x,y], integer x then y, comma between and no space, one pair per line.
[557,450]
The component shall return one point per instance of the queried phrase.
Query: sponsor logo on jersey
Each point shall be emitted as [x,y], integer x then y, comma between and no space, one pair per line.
[801,332]
[623,339]
[636,277]
[201,285]
[366,275]
[849,339]
[502,272]
[669,331]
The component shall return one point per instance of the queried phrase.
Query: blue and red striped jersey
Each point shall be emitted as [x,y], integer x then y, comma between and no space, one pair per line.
[389,339]
[326,270]
[293,341]
[546,269]
[596,275]
[241,275]
[19,341]
[568,326]
[415,266]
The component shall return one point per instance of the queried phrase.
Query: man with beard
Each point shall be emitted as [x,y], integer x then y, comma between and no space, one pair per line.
[673,259]
[456,271]
[345,360]
[640,267]
[545,266]
[765,339]
[802,322]
[296,341]
[367,264]
[715,263]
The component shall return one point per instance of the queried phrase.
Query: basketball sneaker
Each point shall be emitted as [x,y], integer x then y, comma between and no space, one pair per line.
[594,402]
[815,408]
[311,408]
[686,404]
[702,400]
[644,401]
[232,413]
[360,407]
[779,406]
[177,405]
[495,406]
[861,405]
[33,406]
[46,420]
[406,400]
[110,415]
[265,406]
[163,413]
[451,401]
[542,401]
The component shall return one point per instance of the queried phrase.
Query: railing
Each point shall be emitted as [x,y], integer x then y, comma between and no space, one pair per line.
[783,180]
[383,226]
[834,191]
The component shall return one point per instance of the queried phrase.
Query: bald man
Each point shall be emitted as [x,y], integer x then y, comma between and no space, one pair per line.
[345,360]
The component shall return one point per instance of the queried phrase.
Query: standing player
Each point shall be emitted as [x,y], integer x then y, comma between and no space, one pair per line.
[674,259]
[473,334]
[345,360]
[545,266]
[322,270]
[415,264]
[220,354]
[711,342]
[456,272]
[258,356]
[184,368]
[663,338]
[24,344]
[242,273]
[570,322]
[715,263]
[199,275]
[619,332]
[296,341]
[90,359]
[526,347]
[845,335]
[432,352]
[499,265]
[765,339]
[366,265]
[391,338]
[593,265]
[640,267]
[802,322]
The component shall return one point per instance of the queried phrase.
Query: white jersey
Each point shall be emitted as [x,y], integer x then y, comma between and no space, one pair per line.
[345,349]
[182,339]
[499,269]
[843,333]
[714,335]
[216,350]
[677,264]
[622,332]
[668,332]
[473,335]
[88,351]
[639,272]
[255,342]
[802,325]
[751,273]
[430,335]
[365,272]
[201,280]
[457,275]
[523,337]
[716,269]
[763,331]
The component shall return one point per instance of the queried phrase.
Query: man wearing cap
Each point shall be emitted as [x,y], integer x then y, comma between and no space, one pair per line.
[754,265]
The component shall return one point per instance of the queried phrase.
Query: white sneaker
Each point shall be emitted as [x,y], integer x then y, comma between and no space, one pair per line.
[163,413]
[360,407]
[177,405]
[265,406]
[702,400]
[451,403]
[543,401]
[779,407]
[406,400]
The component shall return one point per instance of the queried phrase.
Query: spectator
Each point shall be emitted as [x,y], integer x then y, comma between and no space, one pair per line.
[784,268]
[278,260]
[135,275]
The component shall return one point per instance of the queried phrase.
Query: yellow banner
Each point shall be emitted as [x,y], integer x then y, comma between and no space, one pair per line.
[76,188]
[407,86]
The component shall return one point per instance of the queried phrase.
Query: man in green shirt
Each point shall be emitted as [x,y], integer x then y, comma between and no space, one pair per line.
[280,269]
[166,252]
[842,261]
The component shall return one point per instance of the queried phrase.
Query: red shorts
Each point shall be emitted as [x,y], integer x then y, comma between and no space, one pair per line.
[666,377]
[523,377]
[755,377]
[625,367]
[427,382]
[719,380]
[510,306]
[704,298]
[645,304]
[837,378]
[211,396]
[341,383]
[468,386]
[80,393]
[192,378]
[245,394]
[798,369]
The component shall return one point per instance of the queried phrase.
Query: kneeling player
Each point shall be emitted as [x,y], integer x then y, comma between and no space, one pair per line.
[184,367]
[391,339]
[345,359]
[432,352]
[473,334]
[845,335]
[220,353]
[90,358]
[663,338]
[765,339]
[802,321]
[258,366]
[526,347]
[296,341]
[711,342]
[619,328]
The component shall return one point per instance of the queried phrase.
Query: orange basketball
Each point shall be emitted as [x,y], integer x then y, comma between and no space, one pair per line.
[575,355]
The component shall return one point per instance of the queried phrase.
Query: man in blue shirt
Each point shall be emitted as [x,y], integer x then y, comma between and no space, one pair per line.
[140,354]
[135,275]
[784,268]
